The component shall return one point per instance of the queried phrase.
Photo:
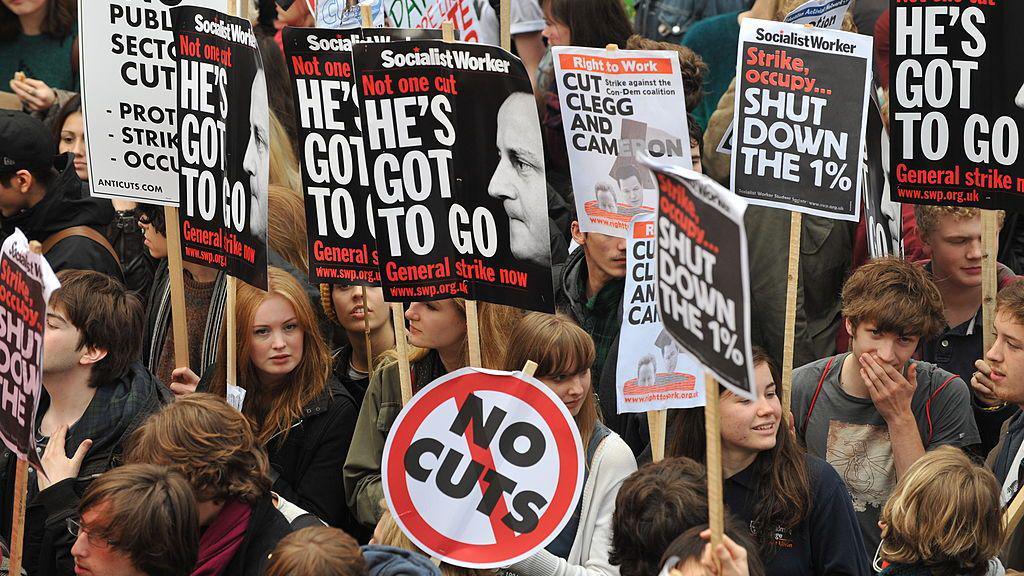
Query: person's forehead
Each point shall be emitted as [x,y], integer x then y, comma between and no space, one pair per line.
[516,128]
[1007,323]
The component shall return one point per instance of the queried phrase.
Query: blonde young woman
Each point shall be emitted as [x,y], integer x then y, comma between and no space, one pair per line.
[943,519]
[437,335]
[298,411]
[564,354]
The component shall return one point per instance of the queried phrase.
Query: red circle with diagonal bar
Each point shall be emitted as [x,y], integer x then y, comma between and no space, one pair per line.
[460,523]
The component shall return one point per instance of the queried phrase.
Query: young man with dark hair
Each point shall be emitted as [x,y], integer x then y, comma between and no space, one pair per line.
[656,504]
[47,205]
[589,287]
[952,235]
[213,446]
[1000,378]
[871,413]
[95,394]
[136,520]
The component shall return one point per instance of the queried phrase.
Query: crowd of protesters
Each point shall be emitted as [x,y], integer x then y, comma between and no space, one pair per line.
[902,450]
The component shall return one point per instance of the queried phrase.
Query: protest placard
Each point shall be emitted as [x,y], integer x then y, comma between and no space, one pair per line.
[521,459]
[346,14]
[883,217]
[443,124]
[820,13]
[653,372]
[614,106]
[957,104]
[26,282]
[128,97]
[475,20]
[339,212]
[224,138]
[703,284]
[801,98]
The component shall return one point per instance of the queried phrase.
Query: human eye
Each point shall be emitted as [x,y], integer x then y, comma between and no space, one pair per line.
[261,331]
[291,326]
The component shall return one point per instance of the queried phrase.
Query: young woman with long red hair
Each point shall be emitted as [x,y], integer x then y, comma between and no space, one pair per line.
[298,411]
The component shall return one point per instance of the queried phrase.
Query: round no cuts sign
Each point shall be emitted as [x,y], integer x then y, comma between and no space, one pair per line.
[483,468]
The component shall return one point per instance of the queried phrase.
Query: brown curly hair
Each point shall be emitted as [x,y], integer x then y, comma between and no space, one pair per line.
[897,296]
[691,66]
[208,442]
[656,504]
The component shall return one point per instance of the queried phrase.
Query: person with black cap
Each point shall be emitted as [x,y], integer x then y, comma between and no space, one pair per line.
[41,194]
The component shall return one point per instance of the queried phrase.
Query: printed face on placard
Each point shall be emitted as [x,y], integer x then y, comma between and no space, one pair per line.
[518,181]
[257,155]
[482,468]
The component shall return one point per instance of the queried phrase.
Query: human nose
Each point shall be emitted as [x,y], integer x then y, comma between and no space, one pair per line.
[974,251]
[412,313]
[885,351]
[277,341]
[995,353]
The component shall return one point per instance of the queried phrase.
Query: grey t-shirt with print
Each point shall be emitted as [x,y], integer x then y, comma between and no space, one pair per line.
[851,435]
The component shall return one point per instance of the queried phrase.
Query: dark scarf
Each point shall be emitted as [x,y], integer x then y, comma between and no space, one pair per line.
[221,540]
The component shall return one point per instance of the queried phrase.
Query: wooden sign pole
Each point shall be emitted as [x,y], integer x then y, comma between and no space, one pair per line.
[18,521]
[232,345]
[656,425]
[366,14]
[366,333]
[177,282]
[792,283]
[716,510]
[504,21]
[1012,516]
[989,285]
[402,346]
[530,368]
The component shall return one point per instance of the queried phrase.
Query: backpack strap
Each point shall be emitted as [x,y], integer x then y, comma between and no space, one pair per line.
[817,391]
[928,406]
[85,231]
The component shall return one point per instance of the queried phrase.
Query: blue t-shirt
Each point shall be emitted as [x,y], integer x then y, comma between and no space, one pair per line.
[829,539]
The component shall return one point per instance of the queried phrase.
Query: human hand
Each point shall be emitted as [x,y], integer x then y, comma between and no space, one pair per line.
[183,381]
[728,559]
[56,464]
[984,387]
[34,94]
[890,391]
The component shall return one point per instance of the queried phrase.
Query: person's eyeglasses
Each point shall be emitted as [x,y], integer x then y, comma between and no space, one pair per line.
[95,541]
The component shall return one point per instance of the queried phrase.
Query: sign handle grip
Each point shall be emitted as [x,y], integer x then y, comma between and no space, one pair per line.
[716,512]
[232,345]
[792,283]
[989,285]
[177,282]
[656,421]
[529,368]
[366,334]
[402,345]
[18,520]
[366,13]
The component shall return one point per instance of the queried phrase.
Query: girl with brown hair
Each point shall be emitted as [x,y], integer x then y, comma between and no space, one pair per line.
[564,354]
[298,411]
[769,479]
[437,338]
